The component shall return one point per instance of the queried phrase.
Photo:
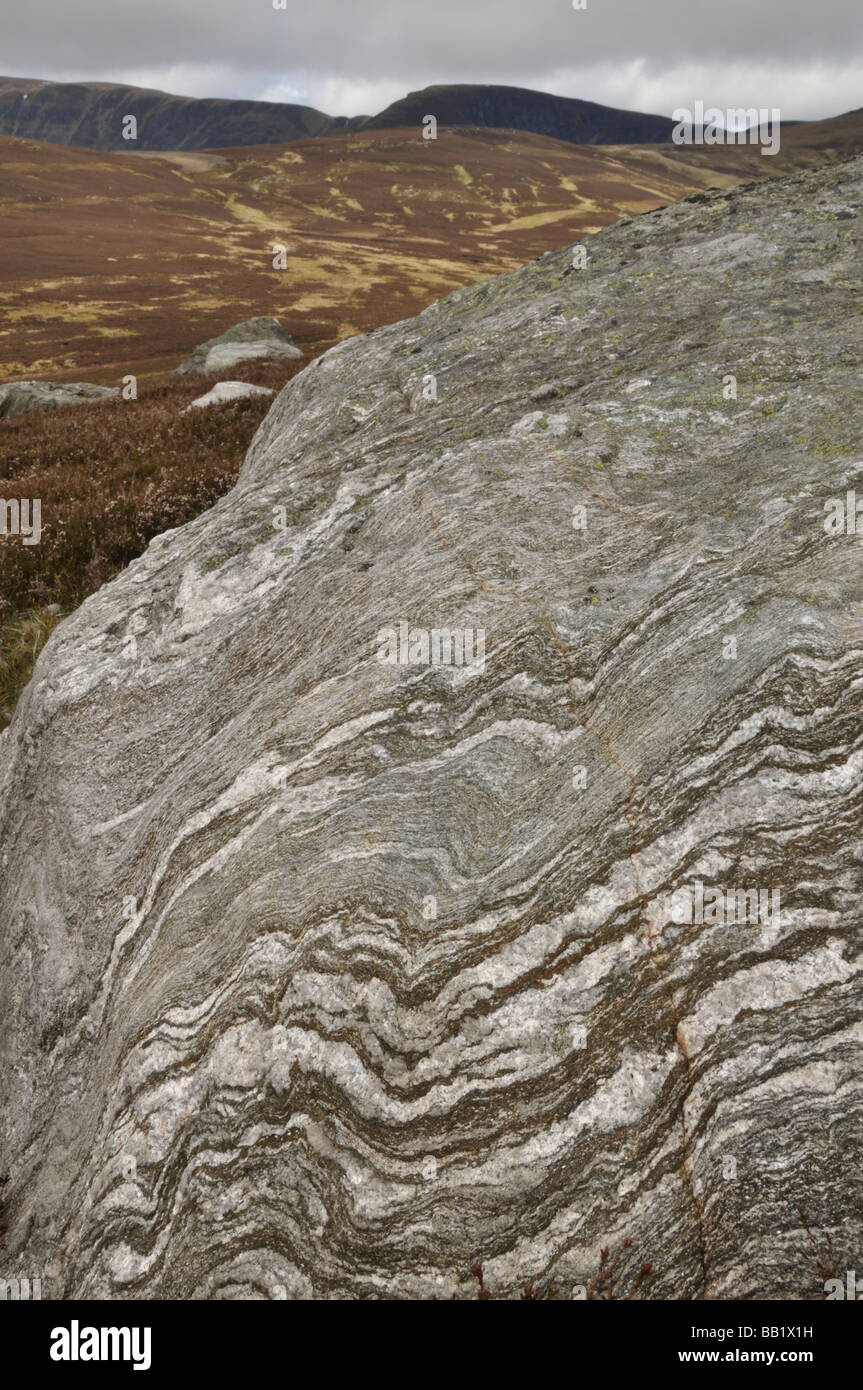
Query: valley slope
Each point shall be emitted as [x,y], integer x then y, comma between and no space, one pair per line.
[121,262]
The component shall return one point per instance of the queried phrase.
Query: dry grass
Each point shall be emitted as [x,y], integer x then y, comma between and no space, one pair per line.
[21,641]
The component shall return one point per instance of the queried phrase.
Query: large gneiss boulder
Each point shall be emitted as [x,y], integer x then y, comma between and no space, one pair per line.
[20,397]
[258,339]
[447,848]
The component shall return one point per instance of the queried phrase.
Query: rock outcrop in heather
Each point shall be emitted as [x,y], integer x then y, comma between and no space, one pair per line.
[334,964]
[259,339]
[20,397]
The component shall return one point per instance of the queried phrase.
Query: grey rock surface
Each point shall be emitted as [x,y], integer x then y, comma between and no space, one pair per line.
[257,339]
[20,397]
[227,391]
[326,975]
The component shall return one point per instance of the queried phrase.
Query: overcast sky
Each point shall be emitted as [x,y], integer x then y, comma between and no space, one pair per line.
[352,57]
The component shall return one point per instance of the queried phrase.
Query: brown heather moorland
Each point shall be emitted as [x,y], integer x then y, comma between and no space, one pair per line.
[118,263]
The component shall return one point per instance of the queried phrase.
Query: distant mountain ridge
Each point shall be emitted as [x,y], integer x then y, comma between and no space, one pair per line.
[90,115]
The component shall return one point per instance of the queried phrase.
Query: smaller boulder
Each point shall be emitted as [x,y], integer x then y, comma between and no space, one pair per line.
[20,397]
[258,339]
[228,391]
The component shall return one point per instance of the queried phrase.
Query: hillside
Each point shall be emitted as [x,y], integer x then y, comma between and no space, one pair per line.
[117,263]
[518,108]
[836,138]
[90,115]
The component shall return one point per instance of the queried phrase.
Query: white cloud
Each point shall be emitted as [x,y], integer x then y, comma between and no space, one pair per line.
[338,96]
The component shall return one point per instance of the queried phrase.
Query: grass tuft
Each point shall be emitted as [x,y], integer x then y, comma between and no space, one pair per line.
[21,640]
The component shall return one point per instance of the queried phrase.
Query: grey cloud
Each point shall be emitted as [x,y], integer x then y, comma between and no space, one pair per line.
[323,41]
